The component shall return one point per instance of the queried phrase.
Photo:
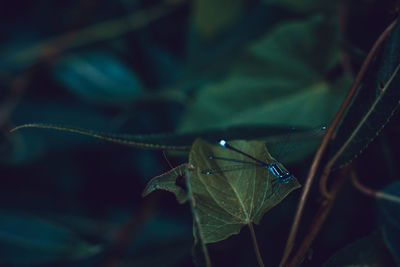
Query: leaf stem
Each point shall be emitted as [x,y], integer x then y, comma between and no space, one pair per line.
[255,245]
[370,192]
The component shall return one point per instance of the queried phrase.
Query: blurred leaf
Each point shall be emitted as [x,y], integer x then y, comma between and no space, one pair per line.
[376,101]
[389,218]
[305,5]
[30,240]
[226,201]
[211,16]
[367,251]
[281,79]
[98,77]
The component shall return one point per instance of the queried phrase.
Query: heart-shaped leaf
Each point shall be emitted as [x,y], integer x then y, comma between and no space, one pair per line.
[225,201]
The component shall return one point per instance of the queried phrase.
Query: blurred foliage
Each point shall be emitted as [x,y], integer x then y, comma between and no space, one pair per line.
[166,72]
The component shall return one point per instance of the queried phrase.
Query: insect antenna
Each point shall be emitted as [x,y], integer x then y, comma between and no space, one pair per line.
[180,177]
[235,160]
[284,151]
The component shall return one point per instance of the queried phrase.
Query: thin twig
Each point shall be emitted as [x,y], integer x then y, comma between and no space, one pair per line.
[255,245]
[376,194]
[324,143]
[91,34]
[354,87]
[128,232]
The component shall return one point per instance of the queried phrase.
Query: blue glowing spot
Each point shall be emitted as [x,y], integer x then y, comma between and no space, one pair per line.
[222,143]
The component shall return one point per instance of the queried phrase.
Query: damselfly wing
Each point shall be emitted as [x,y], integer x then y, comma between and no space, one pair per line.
[275,168]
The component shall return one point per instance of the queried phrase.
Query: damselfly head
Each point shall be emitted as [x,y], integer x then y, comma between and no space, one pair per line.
[222,142]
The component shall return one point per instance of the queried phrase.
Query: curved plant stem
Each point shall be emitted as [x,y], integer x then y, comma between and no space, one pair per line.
[377,194]
[255,245]
[353,89]
[99,135]
[324,143]
[318,220]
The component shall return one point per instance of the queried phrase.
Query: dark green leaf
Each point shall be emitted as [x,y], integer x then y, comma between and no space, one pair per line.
[169,181]
[305,5]
[98,77]
[30,240]
[212,16]
[281,79]
[376,101]
[226,201]
[389,218]
[367,251]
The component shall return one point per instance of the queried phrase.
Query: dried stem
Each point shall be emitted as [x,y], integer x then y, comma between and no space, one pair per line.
[324,143]
[255,245]
[377,194]
[318,220]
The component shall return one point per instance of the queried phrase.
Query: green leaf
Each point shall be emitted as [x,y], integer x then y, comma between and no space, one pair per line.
[376,101]
[305,5]
[26,239]
[171,181]
[212,16]
[281,79]
[367,251]
[226,201]
[98,77]
[177,181]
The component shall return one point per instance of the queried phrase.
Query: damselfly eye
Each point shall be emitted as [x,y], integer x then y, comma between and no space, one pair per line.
[222,143]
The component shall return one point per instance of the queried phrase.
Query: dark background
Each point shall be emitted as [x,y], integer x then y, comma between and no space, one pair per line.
[76,201]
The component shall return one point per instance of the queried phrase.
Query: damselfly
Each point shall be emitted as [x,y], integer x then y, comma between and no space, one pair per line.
[276,169]
[281,174]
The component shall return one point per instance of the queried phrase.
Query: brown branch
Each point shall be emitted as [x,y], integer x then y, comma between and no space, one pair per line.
[90,34]
[353,90]
[318,220]
[324,143]
[370,192]
[255,245]
[128,232]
